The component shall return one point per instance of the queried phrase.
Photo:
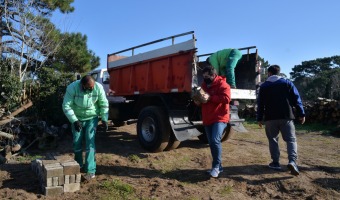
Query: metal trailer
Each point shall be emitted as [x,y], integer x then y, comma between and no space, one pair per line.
[155,89]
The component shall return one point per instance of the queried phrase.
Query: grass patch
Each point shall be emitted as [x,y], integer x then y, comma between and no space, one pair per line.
[118,190]
[226,190]
[306,127]
[315,127]
[251,123]
[28,158]
[134,158]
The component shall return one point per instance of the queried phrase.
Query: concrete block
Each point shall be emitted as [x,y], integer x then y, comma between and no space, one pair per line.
[61,180]
[64,158]
[71,168]
[48,182]
[67,179]
[47,162]
[53,191]
[72,187]
[55,181]
[72,178]
[53,171]
[78,178]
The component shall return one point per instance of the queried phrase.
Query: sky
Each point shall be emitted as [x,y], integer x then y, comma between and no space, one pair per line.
[285,32]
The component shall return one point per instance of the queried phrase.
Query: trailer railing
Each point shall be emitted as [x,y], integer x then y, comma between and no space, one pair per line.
[156,41]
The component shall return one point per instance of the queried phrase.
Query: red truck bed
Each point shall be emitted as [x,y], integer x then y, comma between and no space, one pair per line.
[165,74]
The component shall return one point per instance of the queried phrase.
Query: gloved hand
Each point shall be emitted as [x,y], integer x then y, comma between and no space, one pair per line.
[105,126]
[78,126]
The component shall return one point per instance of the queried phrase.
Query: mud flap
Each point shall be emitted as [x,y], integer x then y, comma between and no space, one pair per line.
[235,121]
[181,126]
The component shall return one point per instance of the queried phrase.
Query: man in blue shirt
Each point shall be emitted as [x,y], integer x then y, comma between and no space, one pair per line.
[277,97]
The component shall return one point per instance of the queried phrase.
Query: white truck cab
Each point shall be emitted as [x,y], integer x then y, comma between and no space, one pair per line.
[102,77]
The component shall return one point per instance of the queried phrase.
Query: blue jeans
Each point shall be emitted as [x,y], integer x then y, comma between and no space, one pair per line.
[287,129]
[214,134]
[89,132]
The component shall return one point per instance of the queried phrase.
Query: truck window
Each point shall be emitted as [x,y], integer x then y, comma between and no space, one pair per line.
[106,77]
[94,76]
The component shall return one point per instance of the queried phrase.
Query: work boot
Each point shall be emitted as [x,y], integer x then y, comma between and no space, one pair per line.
[274,165]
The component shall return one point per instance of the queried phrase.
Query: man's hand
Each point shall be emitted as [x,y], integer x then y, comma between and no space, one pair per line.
[302,120]
[105,126]
[78,126]
[197,103]
[205,97]
[260,124]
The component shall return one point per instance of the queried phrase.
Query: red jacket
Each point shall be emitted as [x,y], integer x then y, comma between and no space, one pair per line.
[217,107]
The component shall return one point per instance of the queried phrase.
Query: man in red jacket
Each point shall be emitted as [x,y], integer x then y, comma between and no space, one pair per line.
[215,114]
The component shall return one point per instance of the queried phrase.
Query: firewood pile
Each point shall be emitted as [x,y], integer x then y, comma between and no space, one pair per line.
[249,111]
[17,134]
[326,111]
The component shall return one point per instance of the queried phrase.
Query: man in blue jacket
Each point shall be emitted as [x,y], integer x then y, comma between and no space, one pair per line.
[277,97]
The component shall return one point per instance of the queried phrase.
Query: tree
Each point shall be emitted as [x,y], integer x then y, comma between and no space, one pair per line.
[313,67]
[27,37]
[73,55]
[318,78]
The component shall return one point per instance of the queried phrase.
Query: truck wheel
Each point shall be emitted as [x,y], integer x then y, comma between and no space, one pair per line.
[227,133]
[153,129]
[173,142]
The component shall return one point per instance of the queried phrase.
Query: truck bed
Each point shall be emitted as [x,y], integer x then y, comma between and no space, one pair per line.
[164,70]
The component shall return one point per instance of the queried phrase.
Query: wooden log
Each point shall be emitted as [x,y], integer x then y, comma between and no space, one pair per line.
[6,135]
[9,118]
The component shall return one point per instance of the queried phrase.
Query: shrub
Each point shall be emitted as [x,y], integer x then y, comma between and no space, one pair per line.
[48,96]
[10,87]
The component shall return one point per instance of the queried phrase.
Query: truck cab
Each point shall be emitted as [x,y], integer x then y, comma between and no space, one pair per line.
[101,76]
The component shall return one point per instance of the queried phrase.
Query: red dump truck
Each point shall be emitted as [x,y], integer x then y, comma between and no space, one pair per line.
[154,89]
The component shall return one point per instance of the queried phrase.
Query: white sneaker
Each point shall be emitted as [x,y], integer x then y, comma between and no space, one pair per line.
[209,170]
[214,172]
[89,176]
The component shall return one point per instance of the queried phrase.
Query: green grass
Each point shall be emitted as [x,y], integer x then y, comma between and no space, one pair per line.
[118,190]
[28,158]
[306,127]
[315,127]
[134,158]
[226,190]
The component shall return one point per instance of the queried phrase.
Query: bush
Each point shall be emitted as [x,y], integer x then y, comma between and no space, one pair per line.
[48,96]
[10,87]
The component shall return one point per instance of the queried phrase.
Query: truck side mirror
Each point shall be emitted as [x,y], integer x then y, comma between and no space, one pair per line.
[106,81]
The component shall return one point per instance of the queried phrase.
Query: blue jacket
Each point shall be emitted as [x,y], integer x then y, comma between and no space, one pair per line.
[276,99]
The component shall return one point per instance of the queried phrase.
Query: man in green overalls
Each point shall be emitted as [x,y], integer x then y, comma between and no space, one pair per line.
[84,101]
[224,62]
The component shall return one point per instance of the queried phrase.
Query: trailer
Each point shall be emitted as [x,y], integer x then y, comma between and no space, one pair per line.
[154,90]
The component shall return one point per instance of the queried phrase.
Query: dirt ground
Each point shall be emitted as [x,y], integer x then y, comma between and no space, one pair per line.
[126,171]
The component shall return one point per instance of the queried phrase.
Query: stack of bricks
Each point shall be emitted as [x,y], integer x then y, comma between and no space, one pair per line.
[57,176]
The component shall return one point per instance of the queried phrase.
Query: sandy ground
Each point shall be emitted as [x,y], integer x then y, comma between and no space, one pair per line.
[181,173]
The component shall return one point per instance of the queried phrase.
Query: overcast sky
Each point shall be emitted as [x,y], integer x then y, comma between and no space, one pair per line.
[285,32]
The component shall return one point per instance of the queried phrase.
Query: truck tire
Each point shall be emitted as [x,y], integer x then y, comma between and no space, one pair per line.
[227,133]
[153,129]
[173,142]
